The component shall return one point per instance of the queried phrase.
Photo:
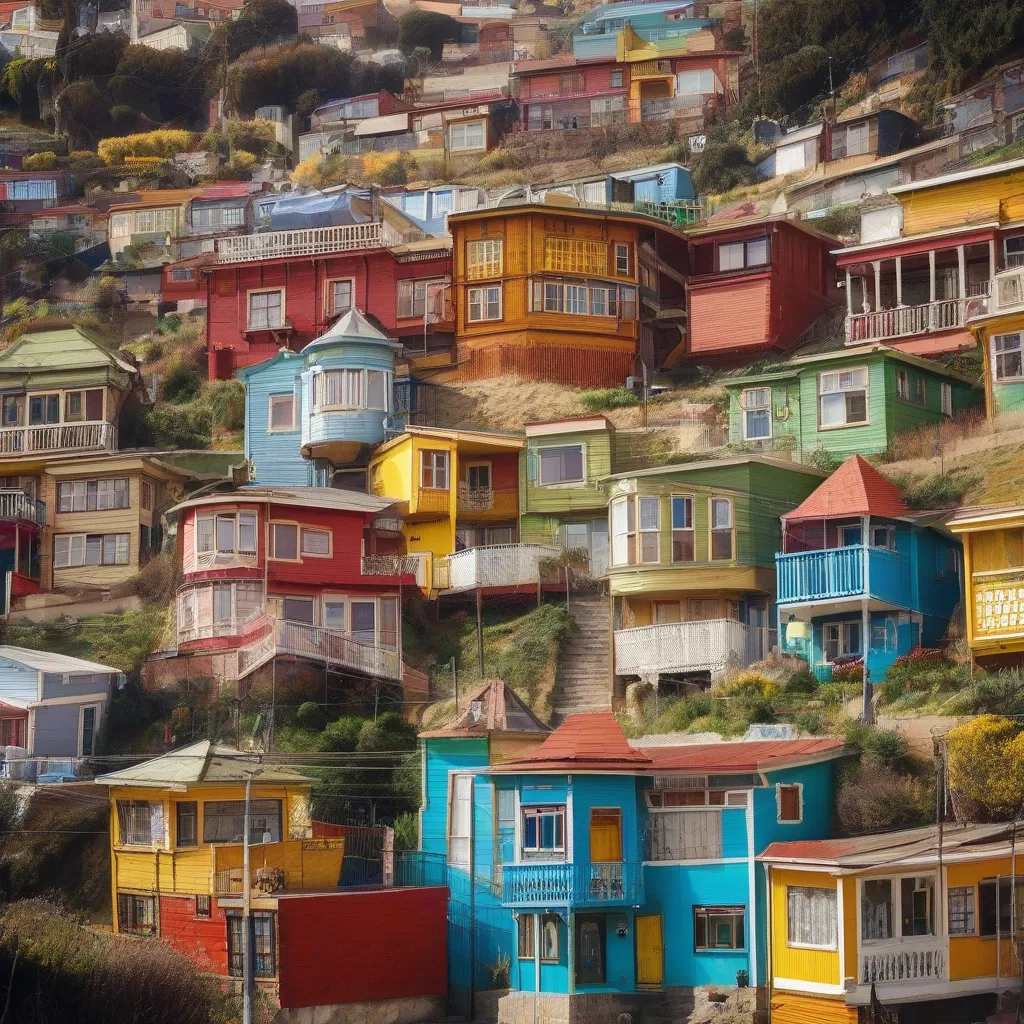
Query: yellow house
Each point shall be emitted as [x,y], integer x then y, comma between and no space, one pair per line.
[459,491]
[921,917]
[157,216]
[176,831]
[993,539]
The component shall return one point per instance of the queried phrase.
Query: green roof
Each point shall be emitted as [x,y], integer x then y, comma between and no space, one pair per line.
[64,348]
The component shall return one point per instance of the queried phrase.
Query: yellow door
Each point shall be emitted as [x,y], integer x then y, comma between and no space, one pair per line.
[648,949]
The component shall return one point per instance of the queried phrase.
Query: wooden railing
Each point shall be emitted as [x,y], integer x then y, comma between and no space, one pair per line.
[433,499]
[911,961]
[16,504]
[709,645]
[497,565]
[572,884]
[840,572]
[57,437]
[906,321]
[389,565]
[336,649]
[308,242]
[504,501]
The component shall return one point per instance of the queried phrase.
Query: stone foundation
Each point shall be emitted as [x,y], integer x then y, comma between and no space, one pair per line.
[411,1010]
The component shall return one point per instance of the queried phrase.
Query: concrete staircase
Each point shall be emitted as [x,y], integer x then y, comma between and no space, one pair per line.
[583,679]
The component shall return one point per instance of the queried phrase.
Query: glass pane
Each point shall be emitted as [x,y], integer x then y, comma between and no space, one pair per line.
[364,620]
[286,541]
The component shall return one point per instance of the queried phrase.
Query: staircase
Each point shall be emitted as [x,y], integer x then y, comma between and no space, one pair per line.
[583,679]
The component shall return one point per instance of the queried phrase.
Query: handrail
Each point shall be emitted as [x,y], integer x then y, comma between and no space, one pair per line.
[16,504]
[57,437]
[309,241]
[496,565]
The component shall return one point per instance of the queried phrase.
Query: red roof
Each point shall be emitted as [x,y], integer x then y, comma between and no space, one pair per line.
[231,190]
[12,709]
[810,849]
[856,488]
[593,740]
[747,756]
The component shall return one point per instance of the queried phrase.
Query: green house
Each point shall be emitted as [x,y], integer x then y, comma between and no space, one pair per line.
[692,563]
[848,402]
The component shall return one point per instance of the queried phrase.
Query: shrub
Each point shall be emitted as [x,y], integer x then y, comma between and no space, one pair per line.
[180,426]
[181,719]
[181,383]
[821,458]
[164,142]
[252,137]
[876,798]
[986,764]
[802,681]
[834,693]
[342,736]
[843,221]
[599,399]
[407,831]
[311,716]
[999,694]
[722,166]
[84,160]
[940,490]
[40,162]
[848,670]
[809,721]
[226,399]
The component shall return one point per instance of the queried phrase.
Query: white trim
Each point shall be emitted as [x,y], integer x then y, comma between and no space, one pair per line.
[779,820]
[567,825]
[912,992]
[814,987]
[271,429]
[85,698]
[518,831]
[839,925]
[248,308]
[565,484]
[98,708]
[743,412]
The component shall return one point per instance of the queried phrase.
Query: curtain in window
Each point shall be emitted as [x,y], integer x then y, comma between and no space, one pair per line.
[812,917]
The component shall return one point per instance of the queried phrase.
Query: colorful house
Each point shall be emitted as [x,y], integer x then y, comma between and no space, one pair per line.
[918,925]
[299,573]
[177,867]
[993,552]
[861,574]
[919,272]
[998,326]
[692,568]
[850,401]
[553,290]
[312,415]
[459,504]
[753,287]
[615,878]
[156,218]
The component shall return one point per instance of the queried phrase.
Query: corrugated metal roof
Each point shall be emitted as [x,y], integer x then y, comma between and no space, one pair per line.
[49,661]
[856,488]
[383,125]
[594,740]
[328,498]
[746,756]
[492,707]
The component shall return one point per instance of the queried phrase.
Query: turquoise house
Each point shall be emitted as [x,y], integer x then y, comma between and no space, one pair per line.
[861,576]
[608,878]
[313,415]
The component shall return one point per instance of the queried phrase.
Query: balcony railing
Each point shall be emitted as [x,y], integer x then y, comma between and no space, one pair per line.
[308,242]
[502,501]
[433,499]
[552,885]
[839,573]
[57,437]
[903,962]
[336,649]
[709,645]
[906,321]
[389,565]
[497,565]
[16,504]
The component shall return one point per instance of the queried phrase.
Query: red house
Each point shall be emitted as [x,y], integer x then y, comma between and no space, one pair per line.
[300,573]
[755,286]
[282,289]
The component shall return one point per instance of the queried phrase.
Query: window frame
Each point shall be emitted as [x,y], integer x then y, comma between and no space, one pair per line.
[491,260]
[236,549]
[131,900]
[274,399]
[119,539]
[540,853]
[545,920]
[996,354]
[303,553]
[839,389]
[628,531]
[739,928]
[688,503]
[252,293]
[438,457]
[623,259]
[712,529]
[766,409]
[178,806]
[564,482]
[969,913]
[272,554]
[330,310]
[818,891]
[526,929]
[483,302]
[946,399]
[655,530]
[779,787]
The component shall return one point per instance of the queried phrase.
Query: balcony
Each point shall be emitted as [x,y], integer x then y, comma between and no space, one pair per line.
[390,565]
[433,499]
[308,242]
[553,885]
[16,504]
[292,864]
[58,437]
[842,573]
[898,962]
[708,645]
[475,500]
[907,321]
[498,565]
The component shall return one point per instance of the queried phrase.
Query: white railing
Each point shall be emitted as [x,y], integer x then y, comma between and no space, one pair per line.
[255,654]
[906,321]
[16,504]
[499,565]
[904,962]
[308,242]
[389,565]
[337,649]
[710,645]
[56,437]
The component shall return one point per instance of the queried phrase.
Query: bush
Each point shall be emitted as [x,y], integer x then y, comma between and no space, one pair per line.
[822,459]
[999,694]
[182,383]
[986,765]
[84,160]
[810,722]
[164,142]
[226,399]
[941,490]
[311,716]
[721,167]
[848,670]
[599,399]
[180,426]
[40,162]
[876,798]
[342,736]
[840,221]
[255,138]
[407,831]
[418,28]
[834,693]
[802,681]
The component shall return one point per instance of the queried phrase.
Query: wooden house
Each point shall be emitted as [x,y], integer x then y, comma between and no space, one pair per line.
[301,572]
[925,260]
[692,564]
[25,193]
[919,919]
[753,287]
[218,210]
[178,877]
[555,290]
[850,401]
[85,224]
[156,219]
[993,557]
[861,577]
[998,327]
[563,92]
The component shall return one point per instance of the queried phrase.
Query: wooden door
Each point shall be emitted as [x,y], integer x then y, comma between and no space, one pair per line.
[649,952]
[605,835]
[702,608]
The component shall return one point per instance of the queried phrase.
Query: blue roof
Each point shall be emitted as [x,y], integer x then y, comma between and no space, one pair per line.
[315,210]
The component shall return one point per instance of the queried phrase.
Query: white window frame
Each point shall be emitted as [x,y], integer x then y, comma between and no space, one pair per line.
[896,909]
[272,553]
[272,400]
[481,298]
[819,892]
[464,144]
[828,386]
[250,295]
[437,459]
[309,530]
[946,399]
[1018,338]
[688,500]
[237,514]
[843,639]
[539,810]
[779,787]
[655,530]
[573,482]
[747,409]
[712,529]
[76,546]
[622,260]
[329,307]
[462,861]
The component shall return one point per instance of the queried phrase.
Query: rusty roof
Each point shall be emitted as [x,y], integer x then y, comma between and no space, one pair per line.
[856,488]
[491,707]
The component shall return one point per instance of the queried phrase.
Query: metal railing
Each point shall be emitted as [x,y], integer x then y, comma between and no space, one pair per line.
[709,645]
[57,437]
[16,504]
[496,565]
[336,649]
[309,242]
[488,499]
[906,321]
[572,884]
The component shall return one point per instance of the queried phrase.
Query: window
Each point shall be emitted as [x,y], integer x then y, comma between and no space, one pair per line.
[186,821]
[266,310]
[576,299]
[686,834]
[282,413]
[757,414]
[740,255]
[1008,292]
[87,729]
[549,937]
[527,942]
[226,534]
[478,476]
[71,550]
[146,495]
[721,528]
[298,609]
[284,541]
[621,259]
[1006,357]
[627,303]
[946,398]
[552,297]
[92,495]
[843,398]
[483,258]
[544,831]
[13,406]
[718,927]
[341,389]
[136,915]
[561,465]
[224,821]
[876,909]
[696,83]
[413,295]
[376,390]
[857,140]
[993,905]
[316,542]
[650,527]
[902,384]
[43,409]
[466,136]
[811,917]
[623,528]
[460,814]
[434,470]
[842,640]
[574,81]
[139,823]
[881,537]
[918,391]
[202,906]
[682,529]
[917,896]
[261,935]
[615,80]
[339,297]
[790,803]
[575,255]
[73,409]
[484,303]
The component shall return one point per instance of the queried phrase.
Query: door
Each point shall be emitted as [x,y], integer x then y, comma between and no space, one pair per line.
[590,932]
[666,611]
[605,835]
[702,609]
[649,953]
[88,737]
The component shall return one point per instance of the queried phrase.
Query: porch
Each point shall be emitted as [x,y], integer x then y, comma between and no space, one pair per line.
[553,885]
[497,565]
[855,571]
[706,645]
[58,437]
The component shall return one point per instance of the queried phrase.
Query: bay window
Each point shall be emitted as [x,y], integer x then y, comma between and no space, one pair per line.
[226,534]
[682,528]
[812,918]
[583,298]
[71,550]
[721,528]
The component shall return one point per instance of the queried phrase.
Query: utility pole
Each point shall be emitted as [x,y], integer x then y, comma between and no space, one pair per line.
[246,901]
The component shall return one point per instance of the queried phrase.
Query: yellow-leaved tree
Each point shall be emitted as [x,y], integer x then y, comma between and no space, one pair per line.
[986,766]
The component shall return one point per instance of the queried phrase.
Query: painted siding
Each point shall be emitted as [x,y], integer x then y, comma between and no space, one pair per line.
[996,197]
[536,501]
[328,955]
[818,781]
[440,756]
[204,940]
[78,685]
[275,457]
[819,966]
[969,955]
[56,731]
[18,681]
[790,1008]
[733,315]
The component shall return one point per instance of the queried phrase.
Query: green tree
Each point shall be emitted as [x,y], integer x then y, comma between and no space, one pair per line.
[967,41]
[82,113]
[165,85]
[260,23]
[417,27]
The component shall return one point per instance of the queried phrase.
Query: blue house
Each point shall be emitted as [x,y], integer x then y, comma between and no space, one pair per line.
[860,573]
[609,878]
[314,413]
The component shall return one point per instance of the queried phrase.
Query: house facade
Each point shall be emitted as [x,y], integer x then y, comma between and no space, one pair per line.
[846,402]
[861,577]
[616,878]
[156,219]
[998,327]
[691,571]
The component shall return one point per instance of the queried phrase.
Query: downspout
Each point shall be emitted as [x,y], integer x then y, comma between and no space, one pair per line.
[769,974]
[752,886]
